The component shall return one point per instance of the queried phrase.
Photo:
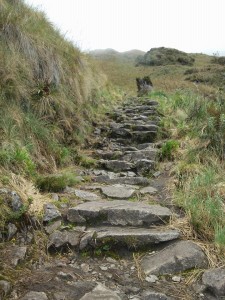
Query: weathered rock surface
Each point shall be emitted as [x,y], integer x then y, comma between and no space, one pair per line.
[144,166]
[117,192]
[51,213]
[214,281]
[12,229]
[100,292]
[118,165]
[119,212]
[16,254]
[59,239]
[148,190]
[35,296]
[50,228]
[155,296]
[143,181]
[181,256]
[134,156]
[133,237]
[144,136]
[84,195]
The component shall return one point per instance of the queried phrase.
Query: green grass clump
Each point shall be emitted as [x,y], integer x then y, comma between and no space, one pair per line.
[55,182]
[204,204]
[169,149]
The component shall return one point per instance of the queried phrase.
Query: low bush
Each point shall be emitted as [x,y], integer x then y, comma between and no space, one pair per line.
[55,182]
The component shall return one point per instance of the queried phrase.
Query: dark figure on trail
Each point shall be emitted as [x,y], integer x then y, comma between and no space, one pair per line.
[144,86]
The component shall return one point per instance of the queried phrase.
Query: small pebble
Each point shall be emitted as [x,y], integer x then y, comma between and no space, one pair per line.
[151,278]
[85,267]
[176,278]
[103,268]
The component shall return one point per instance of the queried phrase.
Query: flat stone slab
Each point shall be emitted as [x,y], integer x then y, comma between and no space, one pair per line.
[134,156]
[214,281]
[118,165]
[100,292]
[142,181]
[179,257]
[117,192]
[148,190]
[133,237]
[59,239]
[84,195]
[119,212]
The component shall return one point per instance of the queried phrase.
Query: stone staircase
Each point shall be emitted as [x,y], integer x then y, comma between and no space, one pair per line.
[122,211]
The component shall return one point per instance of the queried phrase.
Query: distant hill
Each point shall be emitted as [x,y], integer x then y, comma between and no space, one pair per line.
[165,56]
[127,56]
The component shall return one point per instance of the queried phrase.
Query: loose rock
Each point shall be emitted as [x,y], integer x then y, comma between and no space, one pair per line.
[214,280]
[51,213]
[117,192]
[181,256]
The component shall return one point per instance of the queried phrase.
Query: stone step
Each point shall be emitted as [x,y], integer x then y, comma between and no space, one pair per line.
[143,136]
[139,180]
[134,156]
[119,213]
[131,237]
[117,165]
[117,192]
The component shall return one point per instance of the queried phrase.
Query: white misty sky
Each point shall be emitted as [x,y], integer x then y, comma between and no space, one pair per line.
[188,25]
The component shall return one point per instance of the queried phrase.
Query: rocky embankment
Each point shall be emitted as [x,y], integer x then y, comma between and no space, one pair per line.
[114,239]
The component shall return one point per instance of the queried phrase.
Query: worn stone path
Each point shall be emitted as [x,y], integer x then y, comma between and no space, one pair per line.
[114,239]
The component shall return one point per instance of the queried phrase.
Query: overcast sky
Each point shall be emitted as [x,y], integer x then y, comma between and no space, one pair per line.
[188,25]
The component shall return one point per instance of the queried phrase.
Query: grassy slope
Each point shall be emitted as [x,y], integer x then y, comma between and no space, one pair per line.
[49,91]
[123,72]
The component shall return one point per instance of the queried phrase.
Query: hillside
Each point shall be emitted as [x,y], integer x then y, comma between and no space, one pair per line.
[49,92]
[165,56]
[205,71]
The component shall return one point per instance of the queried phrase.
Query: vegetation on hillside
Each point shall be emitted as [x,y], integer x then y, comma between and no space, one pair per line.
[197,123]
[205,76]
[49,92]
[165,56]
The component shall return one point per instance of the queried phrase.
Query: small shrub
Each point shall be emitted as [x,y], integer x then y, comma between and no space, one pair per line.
[55,183]
[168,150]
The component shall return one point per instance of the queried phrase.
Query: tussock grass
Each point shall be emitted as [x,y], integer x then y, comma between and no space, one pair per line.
[197,124]
[49,91]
